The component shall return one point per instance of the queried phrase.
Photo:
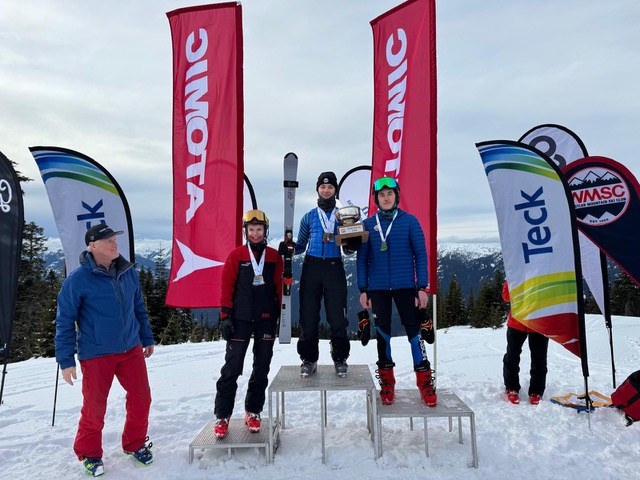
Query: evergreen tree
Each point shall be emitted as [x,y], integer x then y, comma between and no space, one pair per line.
[159,313]
[45,326]
[454,305]
[470,305]
[624,296]
[489,310]
[32,303]
[590,305]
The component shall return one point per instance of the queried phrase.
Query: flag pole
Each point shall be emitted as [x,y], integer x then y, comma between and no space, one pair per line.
[5,352]
[435,335]
[55,396]
[607,313]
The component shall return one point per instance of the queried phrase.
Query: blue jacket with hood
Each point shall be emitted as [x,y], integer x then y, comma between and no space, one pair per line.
[402,265]
[99,312]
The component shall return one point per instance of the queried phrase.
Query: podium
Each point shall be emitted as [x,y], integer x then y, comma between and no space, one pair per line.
[239,437]
[324,380]
[408,404]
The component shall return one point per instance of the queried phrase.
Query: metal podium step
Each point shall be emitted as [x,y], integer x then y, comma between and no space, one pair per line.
[239,437]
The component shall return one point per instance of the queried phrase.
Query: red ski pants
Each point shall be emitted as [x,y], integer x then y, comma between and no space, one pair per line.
[97,376]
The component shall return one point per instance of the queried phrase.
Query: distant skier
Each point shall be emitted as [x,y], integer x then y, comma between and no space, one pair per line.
[250,299]
[517,334]
[101,313]
[392,265]
[322,278]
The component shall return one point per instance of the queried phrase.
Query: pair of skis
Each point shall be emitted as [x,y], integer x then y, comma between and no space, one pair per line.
[290,185]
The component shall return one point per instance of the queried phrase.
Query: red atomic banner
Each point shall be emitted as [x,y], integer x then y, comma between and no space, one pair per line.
[208,162]
[404,113]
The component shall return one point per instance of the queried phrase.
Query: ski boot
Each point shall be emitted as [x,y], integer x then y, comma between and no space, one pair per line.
[387,384]
[424,381]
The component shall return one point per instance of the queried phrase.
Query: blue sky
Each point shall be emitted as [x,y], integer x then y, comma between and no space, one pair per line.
[96,77]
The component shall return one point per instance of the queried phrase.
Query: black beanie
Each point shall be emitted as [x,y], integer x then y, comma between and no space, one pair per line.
[327,177]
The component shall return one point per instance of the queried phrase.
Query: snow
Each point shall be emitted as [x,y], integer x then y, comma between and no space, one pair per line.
[471,251]
[514,441]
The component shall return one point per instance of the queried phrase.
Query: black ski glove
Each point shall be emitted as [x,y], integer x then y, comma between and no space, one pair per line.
[226,326]
[364,327]
[426,325]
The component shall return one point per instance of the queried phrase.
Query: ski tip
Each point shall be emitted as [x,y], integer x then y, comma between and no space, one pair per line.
[290,153]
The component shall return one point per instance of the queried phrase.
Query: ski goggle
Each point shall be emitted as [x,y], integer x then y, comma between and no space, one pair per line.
[384,182]
[255,216]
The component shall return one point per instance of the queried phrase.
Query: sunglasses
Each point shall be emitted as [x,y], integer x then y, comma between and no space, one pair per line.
[385,182]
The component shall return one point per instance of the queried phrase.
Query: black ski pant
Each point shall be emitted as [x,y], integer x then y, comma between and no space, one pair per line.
[323,279]
[405,300]
[538,345]
[264,334]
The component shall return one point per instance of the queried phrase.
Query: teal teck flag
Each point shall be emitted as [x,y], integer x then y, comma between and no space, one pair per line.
[539,241]
[82,194]
[11,226]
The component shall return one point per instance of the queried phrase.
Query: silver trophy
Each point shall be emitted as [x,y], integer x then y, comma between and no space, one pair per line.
[351,232]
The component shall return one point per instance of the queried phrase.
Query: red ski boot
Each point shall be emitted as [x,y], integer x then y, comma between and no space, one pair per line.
[252,421]
[425,385]
[221,428]
[387,385]
[513,396]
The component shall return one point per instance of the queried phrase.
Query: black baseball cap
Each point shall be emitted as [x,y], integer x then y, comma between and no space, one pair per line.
[99,232]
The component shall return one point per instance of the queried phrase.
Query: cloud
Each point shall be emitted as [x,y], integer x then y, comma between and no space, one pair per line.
[96,77]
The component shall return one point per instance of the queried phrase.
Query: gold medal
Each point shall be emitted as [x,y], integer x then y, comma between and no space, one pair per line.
[258,280]
[383,247]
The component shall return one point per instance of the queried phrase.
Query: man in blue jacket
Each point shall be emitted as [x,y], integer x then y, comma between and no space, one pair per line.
[323,279]
[392,266]
[101,313]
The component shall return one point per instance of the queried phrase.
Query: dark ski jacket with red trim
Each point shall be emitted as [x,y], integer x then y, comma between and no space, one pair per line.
[248,302]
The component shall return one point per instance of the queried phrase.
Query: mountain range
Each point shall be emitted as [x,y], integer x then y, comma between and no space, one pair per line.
[471,263]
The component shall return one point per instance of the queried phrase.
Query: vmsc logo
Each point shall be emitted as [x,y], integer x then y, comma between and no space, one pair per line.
[600,196]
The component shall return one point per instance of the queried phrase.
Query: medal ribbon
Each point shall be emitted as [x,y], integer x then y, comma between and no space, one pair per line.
[328,224]
[257,267]
[383,237]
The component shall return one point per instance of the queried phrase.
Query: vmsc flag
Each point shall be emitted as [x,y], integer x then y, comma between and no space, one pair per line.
[82,193]
[11,225]
[539,242]
[208,163]
[606,197]
[404,113]
[565,147]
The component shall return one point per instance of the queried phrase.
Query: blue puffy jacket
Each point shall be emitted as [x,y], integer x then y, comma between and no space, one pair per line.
[311,232]
[109,312]
[402,265]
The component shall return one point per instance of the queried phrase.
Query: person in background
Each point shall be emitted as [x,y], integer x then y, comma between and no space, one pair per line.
[517,334]
[101,313]
[250,305]
[392,266]
[322,278]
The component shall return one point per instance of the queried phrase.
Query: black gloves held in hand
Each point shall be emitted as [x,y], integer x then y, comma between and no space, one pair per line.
[364,327]
[225,325]
[426,325]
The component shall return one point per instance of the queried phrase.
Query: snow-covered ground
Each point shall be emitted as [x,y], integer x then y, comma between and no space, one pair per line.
[514,441]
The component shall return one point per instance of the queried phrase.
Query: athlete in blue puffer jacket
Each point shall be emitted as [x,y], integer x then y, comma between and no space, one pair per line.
[392,266]
[323,279]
